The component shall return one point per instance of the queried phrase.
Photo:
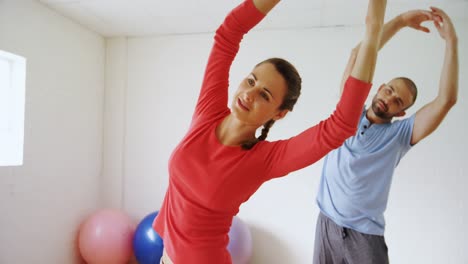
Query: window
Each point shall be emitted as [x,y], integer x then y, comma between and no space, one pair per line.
[12,94]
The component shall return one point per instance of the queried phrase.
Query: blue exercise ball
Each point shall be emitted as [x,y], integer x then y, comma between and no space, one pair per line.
[147,244]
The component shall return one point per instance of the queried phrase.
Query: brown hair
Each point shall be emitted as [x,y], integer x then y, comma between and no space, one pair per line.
[293,81]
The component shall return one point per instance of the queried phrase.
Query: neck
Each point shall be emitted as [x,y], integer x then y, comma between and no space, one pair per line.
[233,133]
[374,119]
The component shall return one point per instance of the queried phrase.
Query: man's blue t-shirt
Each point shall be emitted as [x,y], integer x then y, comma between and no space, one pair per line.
[356,177]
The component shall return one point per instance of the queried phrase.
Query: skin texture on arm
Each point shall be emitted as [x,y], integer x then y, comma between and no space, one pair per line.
[429,117]
[412,19]
[366,57]
[265,6]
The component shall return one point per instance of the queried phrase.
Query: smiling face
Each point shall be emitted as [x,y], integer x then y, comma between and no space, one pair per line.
[259,96]
[392,99]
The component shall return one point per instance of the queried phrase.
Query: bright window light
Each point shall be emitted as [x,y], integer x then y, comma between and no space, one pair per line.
[12,94]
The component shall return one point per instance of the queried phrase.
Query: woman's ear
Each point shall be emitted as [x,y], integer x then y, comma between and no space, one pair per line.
[280,114]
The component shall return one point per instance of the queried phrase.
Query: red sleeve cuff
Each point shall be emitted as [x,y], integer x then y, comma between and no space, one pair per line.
[248,14]
[356,82]
[352,100]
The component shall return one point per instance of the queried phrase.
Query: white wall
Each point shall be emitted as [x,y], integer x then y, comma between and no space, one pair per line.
[111,193]
[43,201]
[153,101]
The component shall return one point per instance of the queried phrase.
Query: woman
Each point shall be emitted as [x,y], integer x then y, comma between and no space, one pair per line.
[220,162]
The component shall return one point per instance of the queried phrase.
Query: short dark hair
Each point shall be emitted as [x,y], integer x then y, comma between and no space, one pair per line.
[411,85]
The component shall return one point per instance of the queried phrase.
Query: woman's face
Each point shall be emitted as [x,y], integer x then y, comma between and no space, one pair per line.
[259,96]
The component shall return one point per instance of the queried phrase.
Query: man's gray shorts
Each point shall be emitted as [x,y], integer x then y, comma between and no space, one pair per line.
[340,245]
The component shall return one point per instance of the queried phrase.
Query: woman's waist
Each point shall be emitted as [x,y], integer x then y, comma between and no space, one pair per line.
[196,254]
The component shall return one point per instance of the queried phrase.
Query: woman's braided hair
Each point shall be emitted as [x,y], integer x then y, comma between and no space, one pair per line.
[293,81]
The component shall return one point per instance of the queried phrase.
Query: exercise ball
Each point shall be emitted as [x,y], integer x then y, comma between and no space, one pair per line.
[147,244]
[240,242]
[106,237]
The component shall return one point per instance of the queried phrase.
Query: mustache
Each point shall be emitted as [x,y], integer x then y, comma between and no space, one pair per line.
[384,104]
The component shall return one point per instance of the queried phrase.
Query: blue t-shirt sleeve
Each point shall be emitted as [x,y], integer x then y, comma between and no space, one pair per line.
[405,131]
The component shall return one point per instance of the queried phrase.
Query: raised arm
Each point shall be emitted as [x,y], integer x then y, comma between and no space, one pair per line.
[429,117]
[366,57]
[265,6]
[317,141]
[412,19]
[213,96]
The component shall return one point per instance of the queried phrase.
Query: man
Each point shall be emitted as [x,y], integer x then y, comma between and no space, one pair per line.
[356,178]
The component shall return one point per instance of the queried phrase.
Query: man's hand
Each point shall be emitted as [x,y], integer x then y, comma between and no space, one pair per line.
[443,24]
[414,19]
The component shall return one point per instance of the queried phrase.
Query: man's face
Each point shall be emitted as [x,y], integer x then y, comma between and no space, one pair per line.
[392,99]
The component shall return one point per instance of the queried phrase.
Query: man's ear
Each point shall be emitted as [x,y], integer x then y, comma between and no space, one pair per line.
[381,86]
[400,114]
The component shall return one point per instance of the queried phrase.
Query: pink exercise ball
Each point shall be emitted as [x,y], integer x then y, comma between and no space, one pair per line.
[240,242]
[106,237]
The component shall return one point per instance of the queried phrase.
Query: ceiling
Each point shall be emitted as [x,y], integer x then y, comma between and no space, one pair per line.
[112,18]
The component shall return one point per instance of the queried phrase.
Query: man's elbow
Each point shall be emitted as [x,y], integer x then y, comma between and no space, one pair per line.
[449,102]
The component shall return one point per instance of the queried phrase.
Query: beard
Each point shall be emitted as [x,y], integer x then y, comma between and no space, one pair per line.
[379,112]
